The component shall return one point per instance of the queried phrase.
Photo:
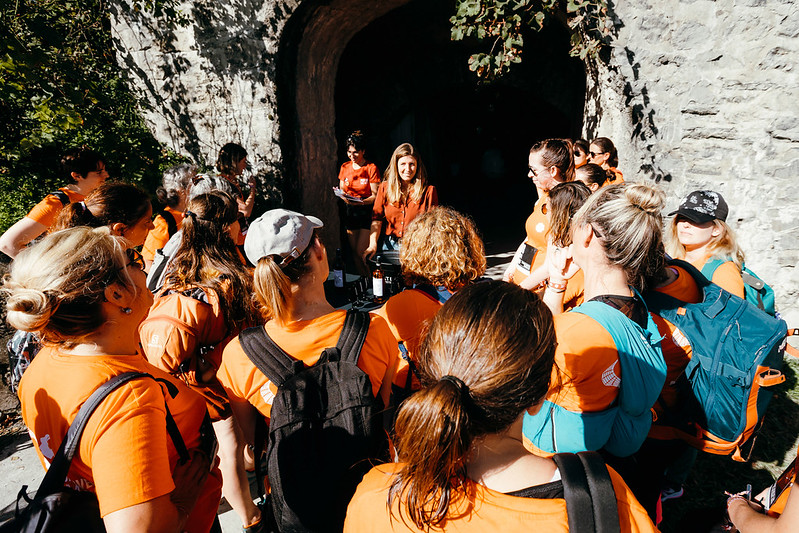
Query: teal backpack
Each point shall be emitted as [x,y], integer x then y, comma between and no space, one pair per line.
[756,291]
[737,356]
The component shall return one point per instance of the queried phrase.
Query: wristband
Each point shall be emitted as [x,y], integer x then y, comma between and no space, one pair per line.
[556,287]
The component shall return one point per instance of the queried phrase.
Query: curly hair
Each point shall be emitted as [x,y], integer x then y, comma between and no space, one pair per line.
[442,247]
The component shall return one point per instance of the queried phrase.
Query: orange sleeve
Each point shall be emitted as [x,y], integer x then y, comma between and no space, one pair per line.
[728,277]
[156,238]
[632,516]
[430,199]
[586,364]
[46,211]
[374,173]
[378,208]
[125,445]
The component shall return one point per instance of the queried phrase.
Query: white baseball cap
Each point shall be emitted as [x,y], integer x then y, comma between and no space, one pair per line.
[279,232]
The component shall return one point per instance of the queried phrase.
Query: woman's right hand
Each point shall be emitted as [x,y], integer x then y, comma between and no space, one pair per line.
[369,252]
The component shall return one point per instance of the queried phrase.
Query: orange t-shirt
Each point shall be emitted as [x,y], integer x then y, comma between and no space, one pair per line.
[727,276]
[406,313]
[537,229]
[46,212]
[358,182]
[586,365]
[482,510]
[125,455]
[675,346]
[306,340]
[617,179]
[398,216]
[159,235]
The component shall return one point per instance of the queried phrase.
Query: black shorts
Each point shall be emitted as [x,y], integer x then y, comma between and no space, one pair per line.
[357,217]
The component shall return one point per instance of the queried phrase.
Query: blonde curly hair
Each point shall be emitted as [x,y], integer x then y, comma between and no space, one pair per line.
[441,247]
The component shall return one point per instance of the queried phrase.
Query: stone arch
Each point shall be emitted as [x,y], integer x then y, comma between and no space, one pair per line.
[315,39]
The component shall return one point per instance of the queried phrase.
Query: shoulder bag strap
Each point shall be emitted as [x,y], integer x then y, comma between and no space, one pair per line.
[59,467]
[268,357]
[439,294]
[62,197]
[603,496]
[579,507]
[353,335]
[171,223]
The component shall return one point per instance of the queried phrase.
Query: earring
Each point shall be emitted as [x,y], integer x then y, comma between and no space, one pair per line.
[127,310]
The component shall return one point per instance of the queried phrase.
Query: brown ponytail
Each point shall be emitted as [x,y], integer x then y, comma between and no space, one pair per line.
[487,357]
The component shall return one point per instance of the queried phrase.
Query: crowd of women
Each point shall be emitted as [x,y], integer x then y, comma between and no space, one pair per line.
[485,380]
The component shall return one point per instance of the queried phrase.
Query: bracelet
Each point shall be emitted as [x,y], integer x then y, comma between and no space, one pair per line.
[556,287]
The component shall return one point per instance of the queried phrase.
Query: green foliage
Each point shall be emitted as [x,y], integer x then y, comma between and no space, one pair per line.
[501,23]
[60,87]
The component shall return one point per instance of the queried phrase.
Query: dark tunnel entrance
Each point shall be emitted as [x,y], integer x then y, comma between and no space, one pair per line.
[401,79]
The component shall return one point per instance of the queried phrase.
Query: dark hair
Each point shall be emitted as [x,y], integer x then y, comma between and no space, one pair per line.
[487,357]
[607,147]
[107,204]
[595,174]
[208,258]
[80,161]
[229,157]
[557,153]
[564,201]
[357,140]
[580,144]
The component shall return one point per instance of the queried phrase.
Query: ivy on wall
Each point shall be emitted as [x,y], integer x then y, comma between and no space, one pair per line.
[61,87]
[501,25]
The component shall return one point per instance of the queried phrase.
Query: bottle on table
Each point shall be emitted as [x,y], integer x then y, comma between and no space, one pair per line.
[377,282]
[338,270]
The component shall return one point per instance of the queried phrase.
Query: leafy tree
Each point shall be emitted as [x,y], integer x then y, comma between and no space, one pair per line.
[501,24]
[60,87]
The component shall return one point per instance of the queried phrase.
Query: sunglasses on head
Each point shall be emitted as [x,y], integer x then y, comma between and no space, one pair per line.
[134,259]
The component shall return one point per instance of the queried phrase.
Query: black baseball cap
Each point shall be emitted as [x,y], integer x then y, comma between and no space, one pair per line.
[703,206]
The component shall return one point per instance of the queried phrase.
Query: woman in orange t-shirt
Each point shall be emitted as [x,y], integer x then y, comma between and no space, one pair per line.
[602,152]
[550,162]
[400,198]
[486,361]
[441,254]
[123,208]
[86,296]
[87,170]
[699,233]
[206,300]
[173,194]
[359,179]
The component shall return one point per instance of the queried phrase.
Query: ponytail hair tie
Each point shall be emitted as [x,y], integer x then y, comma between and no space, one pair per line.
[459,384]
[82,206]
[191,214]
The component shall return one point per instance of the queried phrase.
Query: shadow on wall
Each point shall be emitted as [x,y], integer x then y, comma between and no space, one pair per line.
[230,39]
[636,97]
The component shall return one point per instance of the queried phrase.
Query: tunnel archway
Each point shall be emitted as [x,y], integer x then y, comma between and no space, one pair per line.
[390,69]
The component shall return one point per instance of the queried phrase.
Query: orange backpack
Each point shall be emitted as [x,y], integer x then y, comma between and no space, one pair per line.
[184,334]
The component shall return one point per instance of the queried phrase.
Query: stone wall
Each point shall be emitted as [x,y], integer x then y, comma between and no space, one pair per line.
[705,94]
[696,94]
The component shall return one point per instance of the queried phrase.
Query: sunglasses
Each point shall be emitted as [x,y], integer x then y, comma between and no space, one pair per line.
[594,154]
[135,259]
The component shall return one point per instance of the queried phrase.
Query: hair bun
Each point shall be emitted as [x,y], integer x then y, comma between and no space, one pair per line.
[645,197]
[30,309]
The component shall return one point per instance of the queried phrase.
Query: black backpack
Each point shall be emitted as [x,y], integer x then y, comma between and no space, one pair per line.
[591,504]
[171,223]
[325,429]
[56,508]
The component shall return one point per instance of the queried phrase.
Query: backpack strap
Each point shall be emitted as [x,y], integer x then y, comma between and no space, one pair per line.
[62,197]
[59,468]
[710,267]
[439,294]
[171,223]
[353,334]
[590,499]
[267,356]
